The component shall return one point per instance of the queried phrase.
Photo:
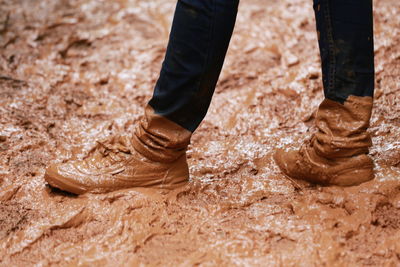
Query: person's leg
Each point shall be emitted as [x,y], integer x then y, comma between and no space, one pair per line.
[156,153]
[337,153]
[345,31]
[199,40]
[198,43]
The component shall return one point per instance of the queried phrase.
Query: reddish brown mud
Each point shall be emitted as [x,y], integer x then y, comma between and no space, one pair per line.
[72,72]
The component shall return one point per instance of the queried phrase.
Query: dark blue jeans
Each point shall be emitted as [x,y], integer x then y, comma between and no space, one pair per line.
[200,36]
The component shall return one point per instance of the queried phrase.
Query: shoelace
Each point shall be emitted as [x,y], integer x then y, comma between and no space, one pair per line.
[116,147]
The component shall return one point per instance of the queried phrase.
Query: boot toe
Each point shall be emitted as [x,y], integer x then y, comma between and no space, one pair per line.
[286,162]
[294,164]
[66,178]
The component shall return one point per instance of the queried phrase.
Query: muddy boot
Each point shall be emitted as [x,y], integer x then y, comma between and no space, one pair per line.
[154,157]
[337,153]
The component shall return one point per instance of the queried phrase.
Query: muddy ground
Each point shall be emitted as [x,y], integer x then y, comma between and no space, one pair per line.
[75,71]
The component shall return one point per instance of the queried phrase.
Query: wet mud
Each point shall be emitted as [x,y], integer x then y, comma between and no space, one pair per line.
[72,72]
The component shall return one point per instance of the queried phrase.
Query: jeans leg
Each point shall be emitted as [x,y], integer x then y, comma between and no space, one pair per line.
[199,39]
[345,33]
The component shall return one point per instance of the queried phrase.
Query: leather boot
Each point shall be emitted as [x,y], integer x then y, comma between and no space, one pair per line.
[338,153]
[154,157]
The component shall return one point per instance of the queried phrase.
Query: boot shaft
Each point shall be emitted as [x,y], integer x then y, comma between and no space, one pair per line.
[160,139]
[342,128]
